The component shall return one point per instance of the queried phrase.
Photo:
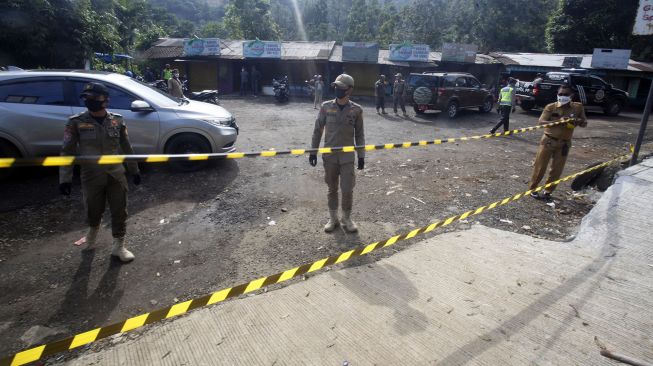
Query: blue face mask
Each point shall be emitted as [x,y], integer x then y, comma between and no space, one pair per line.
[341,93]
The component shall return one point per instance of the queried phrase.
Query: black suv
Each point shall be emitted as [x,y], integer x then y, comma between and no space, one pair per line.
[590,90]
[448,92]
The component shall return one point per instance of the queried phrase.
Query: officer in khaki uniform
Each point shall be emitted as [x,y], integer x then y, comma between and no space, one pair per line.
[100,132]
[556,142]
[341,122]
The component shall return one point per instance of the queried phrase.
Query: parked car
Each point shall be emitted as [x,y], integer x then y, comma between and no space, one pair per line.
[449,92]
[590,90]
[35,105]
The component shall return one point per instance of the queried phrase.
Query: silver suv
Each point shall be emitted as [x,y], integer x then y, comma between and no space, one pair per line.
[35,105]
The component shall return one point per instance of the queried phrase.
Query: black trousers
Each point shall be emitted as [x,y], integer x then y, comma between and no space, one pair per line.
[504,113]
[380,103]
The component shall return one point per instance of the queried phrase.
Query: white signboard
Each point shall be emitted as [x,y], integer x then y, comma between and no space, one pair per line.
[606,58]
[202,47]
[360,52]
[644,21]
[457,52]
[261,49]
[409,52]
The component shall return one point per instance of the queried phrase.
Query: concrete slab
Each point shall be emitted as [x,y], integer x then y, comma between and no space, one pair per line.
[477,297]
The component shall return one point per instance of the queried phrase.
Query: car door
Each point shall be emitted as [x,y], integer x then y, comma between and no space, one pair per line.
[34,111]
[143,126]
[582,86]
[597,90]
[476,93]
[462,92]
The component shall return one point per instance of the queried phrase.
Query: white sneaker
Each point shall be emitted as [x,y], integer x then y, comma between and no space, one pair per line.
[349,225]
[333,221]
[120,251]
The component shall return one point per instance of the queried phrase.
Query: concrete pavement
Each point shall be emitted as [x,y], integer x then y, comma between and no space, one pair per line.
[477,297]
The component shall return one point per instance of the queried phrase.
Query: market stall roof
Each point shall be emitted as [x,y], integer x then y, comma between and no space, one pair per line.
[384,55]
[550,60]
[167,48]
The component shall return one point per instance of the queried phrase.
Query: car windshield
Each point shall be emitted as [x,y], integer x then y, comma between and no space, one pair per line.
[152,94]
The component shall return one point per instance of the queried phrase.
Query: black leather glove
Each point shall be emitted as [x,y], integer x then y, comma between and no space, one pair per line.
[312,159]
[361,163]
[136,179]
[65,188]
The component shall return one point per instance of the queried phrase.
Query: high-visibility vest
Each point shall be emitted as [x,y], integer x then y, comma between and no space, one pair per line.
[505,97]
[167,74]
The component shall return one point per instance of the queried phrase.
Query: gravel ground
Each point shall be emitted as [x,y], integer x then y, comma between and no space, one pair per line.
[194,233]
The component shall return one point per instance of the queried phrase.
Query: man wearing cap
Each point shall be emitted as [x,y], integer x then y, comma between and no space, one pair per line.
[399,94]
[556,141]
[319,88]
[341,121]
[100,132]
[507,104]
[379,93]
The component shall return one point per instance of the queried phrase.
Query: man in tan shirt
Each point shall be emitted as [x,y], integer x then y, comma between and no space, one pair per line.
[175,88]
[556,142]
[341,122]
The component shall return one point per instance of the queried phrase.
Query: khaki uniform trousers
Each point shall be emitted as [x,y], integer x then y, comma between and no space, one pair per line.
[96,194]
[342,173]
[550,149]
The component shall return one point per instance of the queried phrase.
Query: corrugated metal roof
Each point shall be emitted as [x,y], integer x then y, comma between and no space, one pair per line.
[384,55]
[233,49]
[556,60]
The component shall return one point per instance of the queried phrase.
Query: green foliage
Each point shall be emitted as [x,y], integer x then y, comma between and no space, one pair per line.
[357,30]
[579,26]
[250,19]
[214,30]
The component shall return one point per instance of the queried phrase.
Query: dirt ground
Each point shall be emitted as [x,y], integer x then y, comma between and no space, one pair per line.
[194,233]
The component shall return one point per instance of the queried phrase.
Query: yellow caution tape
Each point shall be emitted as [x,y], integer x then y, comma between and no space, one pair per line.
[166,158]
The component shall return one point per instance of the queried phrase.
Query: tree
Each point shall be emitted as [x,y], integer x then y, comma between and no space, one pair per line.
[316,19]
[579,26]
[251,19]
[214,30]
[357,30]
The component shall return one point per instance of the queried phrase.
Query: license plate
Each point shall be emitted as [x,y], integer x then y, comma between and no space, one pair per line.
[422,107]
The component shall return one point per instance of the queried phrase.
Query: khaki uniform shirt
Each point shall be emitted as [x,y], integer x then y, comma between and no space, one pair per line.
[379,89]
[175,88]
[555,112]
[83,135]
[340,128]
[399,89]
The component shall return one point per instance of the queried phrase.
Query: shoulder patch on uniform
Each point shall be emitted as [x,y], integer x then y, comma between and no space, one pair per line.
[76,116]
[356,105]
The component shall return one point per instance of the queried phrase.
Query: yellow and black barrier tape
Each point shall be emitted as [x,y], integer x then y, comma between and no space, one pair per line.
[166,158]
[37,353]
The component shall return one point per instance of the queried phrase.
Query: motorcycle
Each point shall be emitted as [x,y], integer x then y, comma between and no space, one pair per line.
[281,91]
[159,84]
[206,96]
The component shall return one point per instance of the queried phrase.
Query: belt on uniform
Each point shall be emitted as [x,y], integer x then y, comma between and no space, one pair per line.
[554,138]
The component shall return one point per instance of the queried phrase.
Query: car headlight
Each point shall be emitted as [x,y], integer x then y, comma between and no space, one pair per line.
[224,122]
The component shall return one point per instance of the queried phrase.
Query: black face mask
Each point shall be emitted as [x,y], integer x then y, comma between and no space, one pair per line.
[94,105]
[341,93]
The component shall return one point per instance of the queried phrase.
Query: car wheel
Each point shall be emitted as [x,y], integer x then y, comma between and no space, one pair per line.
[452,110]
[527,105]
[417,110]
[7,150]
[487,106]
[613,108]
[188,143]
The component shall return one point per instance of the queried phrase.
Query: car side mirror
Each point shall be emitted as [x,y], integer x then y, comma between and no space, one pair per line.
[141,106]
